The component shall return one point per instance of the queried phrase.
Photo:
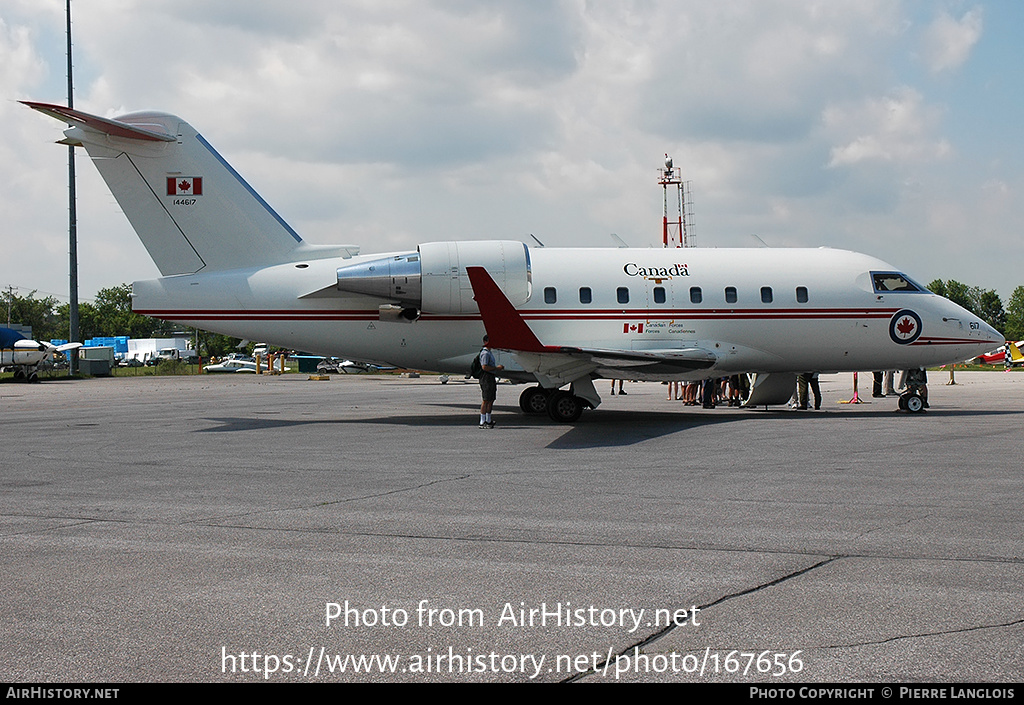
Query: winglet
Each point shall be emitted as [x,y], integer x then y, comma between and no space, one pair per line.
[506,329]
[115,128]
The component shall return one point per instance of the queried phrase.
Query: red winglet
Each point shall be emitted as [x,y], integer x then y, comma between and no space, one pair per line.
[506,329]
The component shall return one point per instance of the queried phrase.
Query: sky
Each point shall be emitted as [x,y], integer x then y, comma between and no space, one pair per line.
[890,128]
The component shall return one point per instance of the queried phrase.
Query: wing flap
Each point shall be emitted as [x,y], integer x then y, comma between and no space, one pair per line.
[685,359]
[555,369]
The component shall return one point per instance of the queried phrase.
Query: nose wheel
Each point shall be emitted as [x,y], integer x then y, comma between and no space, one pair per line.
[911,402]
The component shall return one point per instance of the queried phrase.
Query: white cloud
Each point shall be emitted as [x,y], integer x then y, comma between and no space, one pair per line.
[947,42]
[20,65]
[392,122]
[897,128]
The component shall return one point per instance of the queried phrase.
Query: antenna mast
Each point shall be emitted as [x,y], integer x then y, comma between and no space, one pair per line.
[679,231]
[72,223]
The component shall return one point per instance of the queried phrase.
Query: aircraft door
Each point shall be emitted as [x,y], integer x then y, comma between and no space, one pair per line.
[659,293]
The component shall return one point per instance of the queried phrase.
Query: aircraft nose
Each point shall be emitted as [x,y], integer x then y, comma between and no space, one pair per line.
[988,338]
[995,338]
[976,337]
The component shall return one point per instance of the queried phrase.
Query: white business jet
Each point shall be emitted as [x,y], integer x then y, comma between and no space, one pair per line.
[559,318]
[27,357]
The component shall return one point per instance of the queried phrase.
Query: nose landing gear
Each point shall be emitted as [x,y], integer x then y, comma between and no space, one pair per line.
[912,402]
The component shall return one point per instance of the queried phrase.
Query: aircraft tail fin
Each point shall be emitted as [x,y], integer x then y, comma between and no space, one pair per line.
[1015,354]
[190,208]
[8,337]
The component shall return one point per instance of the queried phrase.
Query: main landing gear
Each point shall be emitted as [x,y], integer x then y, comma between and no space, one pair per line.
[29,375]
[534,400]
[565,407]
[560,405]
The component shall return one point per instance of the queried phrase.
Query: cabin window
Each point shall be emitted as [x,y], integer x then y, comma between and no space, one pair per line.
[730,294]
[622,295]
[696,296]
[550,296]
[766,294]
[585,296]
[659,294]
[801,294]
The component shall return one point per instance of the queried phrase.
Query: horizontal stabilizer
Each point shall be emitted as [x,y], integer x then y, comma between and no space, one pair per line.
[114,128]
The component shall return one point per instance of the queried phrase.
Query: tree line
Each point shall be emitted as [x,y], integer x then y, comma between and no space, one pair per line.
[109,315]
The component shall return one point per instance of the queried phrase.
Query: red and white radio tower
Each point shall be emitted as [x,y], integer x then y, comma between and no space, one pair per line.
[679,231]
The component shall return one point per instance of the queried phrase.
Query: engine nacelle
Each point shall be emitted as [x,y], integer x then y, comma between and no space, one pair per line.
[433,279]
[27,352]
[446,287]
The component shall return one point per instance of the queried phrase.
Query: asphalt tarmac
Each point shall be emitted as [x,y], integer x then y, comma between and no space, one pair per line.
[365,529]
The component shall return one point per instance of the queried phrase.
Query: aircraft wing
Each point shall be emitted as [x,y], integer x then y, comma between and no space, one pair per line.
[554,365]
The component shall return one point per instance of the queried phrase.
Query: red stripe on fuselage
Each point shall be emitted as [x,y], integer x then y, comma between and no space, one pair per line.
[558,315]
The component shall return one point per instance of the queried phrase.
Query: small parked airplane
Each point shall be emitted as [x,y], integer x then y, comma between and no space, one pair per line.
[998,357]
[557,317]
[232,366]
[27,356]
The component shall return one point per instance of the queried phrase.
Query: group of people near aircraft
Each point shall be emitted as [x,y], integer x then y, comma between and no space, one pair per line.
[728,391]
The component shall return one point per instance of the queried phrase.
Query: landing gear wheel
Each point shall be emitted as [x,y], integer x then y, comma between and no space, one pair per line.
[902,403]
[914,403]
[33,377]
[565,407]
[534,400]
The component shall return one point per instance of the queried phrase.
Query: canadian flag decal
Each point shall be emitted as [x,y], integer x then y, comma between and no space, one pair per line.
[632,327]
[184,186]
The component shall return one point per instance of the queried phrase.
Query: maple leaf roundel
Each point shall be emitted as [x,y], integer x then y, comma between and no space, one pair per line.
[905,327]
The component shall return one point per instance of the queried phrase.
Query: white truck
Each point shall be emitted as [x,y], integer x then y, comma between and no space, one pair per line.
[149,351]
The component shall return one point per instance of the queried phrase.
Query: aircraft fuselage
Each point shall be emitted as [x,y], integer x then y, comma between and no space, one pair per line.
[756,310]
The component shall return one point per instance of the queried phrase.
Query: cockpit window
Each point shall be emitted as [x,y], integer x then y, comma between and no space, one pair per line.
[893,281]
